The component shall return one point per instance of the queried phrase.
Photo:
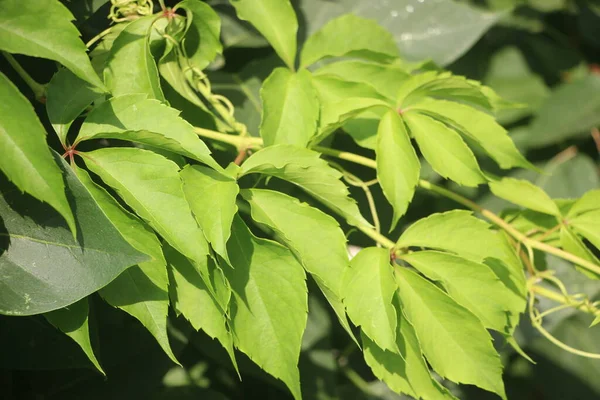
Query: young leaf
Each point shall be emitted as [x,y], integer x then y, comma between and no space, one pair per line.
[73,322]
[132,117]
[397,164]
[67,97]
[444,149]
[43,28]
[305,169]
[33,281]
[454,341]
[588,202]
[478,126]
[524,193]
[472,285]
[268,312]
[349,35]
[276,20]
[290,108]
[385,78]
[26,159]
[368,291]
[314,236]
[214,213]
[150,185]
[191,297]
[130,68]
[201,41]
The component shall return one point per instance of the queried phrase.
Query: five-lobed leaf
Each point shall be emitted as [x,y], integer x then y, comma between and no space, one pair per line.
[133,117]
[307,170]
[444,149]
[314,236]
[44,267]
[211,196]
[130,68]
[290,108]
[43,28]
[368,291]
[349,35]
[276,20]
[269,306]
[453,340]
[73,322]
[398,166]
[26,159]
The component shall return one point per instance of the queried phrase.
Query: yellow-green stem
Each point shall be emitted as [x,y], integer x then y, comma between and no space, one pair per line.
[562,299]
[37,88]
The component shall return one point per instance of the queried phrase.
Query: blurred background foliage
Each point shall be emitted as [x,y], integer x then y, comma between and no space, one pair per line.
[542,53]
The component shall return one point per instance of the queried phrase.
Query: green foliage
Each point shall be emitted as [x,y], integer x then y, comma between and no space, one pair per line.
[220,204]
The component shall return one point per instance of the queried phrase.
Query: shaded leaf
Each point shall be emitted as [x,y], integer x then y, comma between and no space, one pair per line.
[201,41]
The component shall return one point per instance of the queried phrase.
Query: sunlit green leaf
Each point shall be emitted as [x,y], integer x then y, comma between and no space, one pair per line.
[201,41]
[524,193]
[590,201]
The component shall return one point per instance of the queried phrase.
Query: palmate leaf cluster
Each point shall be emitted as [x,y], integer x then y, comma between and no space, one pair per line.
[157,224]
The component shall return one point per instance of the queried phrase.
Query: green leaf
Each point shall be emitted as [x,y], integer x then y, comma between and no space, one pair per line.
[35,238]
[332,88]
[444,149]
[472,285]
[211,197]
[315,237]
[397,164]
[454,341]
[478,126]
[570,111]
[588,225]
[268,311]
[135,118]
[67,97]
[349,35]
[201,43]
[130,68]
[150,185]
[43,28]
[290,108]
[26,159]
[385,78]
[406,372]
[368,291]
[571,243]
[73,322]
[276,20]
[524,193]
[305,169]
[590,201]
[191,297]
[460,233]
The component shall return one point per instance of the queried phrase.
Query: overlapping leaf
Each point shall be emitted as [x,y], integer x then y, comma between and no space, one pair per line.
[201,41]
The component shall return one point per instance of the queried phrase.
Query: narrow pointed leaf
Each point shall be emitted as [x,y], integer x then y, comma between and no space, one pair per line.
[305,169]
[73,322]
[290,108]
[588,225]
[444,149]
[590,201]
[132,117]
[191,298]
[66,98]
[277,22]
[26,159]
[211,197]
[130,67]
[398,166]
[43,28]
[472,285]
[453,340]
[478,126]
[201,42]
[349,35]
[569,241]
[269,308]
[524,193]
[33,281]
[314,236]
[368,291]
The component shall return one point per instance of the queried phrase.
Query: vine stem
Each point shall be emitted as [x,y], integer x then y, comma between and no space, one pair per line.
[38,89]
[98,37]
[367,162]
